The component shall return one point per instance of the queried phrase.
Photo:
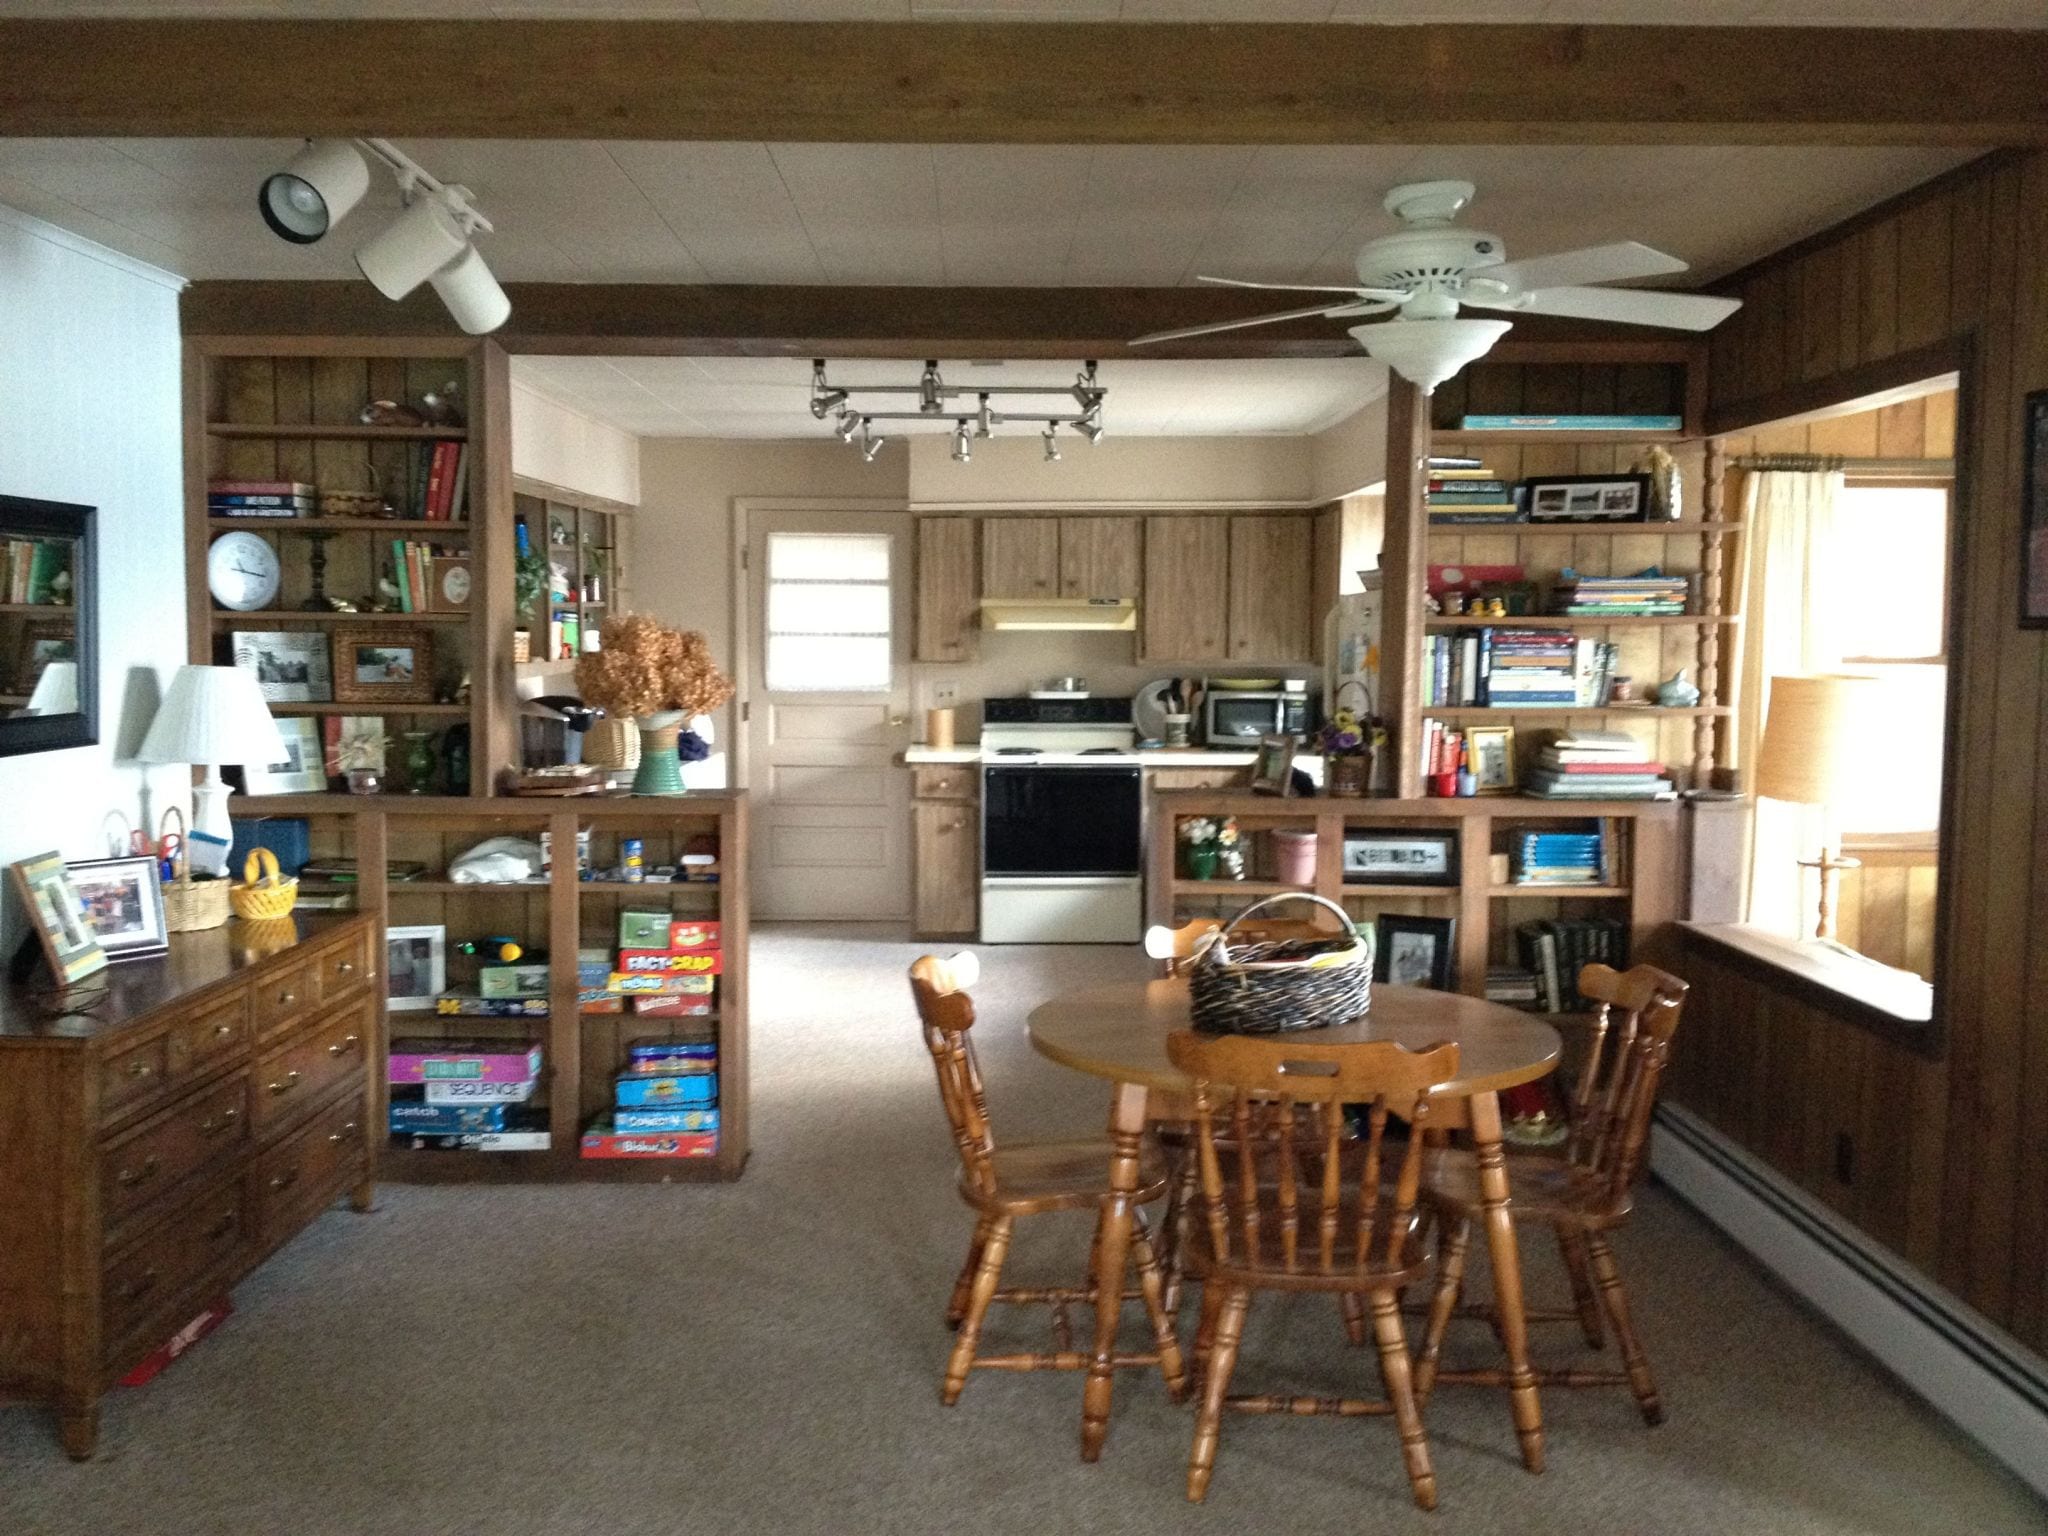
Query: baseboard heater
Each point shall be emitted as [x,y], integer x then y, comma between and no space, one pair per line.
[1974,1372]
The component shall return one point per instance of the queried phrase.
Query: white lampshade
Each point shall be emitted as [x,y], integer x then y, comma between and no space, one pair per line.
[315,192]
[413,247]
[1814,737]
[472,294]
[56,691]
[213,715]
[1426,352]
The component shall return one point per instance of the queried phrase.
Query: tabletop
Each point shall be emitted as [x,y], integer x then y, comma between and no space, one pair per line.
[1119,1032]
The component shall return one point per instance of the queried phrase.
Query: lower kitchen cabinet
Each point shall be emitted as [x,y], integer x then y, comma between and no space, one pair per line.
[948,870]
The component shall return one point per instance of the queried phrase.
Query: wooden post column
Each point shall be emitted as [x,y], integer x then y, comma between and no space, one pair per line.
[1404,556]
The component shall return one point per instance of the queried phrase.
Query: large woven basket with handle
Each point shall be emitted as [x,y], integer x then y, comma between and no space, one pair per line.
[1274,986]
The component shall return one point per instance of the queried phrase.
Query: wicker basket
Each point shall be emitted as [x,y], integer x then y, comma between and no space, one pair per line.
[190,905]
[1275,987]
[613,745]
[262,900]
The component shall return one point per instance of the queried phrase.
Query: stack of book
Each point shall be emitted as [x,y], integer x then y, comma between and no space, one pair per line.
[1625,596]
[1528,668]
[1597,765]
[1511,985]
[1462,490]
[260,498]
[1556,949]
[1560,858]
[665,1104]
[29,569]
[440,482]
[467,1095]
[421,587]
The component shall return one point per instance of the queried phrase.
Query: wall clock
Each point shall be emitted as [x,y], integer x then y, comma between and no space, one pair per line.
[242,572]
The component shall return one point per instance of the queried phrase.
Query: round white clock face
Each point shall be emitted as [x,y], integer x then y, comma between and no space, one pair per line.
[455,586]
[242,571]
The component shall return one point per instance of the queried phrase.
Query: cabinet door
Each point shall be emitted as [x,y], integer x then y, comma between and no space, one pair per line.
[1270,589]
[946,593]
[948,867]
[1100,556]
[1187,588]
[1020,557]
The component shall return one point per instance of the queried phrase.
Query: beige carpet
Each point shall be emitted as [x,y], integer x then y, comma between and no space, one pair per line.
[766,1356]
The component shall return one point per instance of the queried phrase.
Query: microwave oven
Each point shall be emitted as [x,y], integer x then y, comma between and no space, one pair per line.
[1248,716]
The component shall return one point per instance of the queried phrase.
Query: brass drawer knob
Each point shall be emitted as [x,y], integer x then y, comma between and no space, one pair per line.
[286,1083]
[140,1069]
[128,1178]
[343,1046]
[286,1179]
[346,1133]
[222,1031]
[213,1125]
[286,999]
[345,968]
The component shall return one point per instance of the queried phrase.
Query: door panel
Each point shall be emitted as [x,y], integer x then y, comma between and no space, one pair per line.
[1020,557]
[1187,588]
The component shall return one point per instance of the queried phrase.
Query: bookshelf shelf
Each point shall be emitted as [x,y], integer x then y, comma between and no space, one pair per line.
[1526,436]
[37,608]
[1237,888]
[1480,713]
[393,525]
[1391,888]
[1579,621]
[1552,889]
[255,618]
[328,432]
[451,711]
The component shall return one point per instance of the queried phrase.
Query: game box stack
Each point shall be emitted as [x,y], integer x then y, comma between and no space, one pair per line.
[665,1102]
[467,1095]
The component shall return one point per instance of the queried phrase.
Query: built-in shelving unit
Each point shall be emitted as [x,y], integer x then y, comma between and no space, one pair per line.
[580,536]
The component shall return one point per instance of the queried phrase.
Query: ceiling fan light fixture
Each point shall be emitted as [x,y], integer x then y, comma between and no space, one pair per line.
[1426,352]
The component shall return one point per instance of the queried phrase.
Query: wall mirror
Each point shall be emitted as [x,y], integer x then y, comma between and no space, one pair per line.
[49,672]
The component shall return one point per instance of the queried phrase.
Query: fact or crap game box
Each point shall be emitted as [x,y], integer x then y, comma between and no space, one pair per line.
[663,962]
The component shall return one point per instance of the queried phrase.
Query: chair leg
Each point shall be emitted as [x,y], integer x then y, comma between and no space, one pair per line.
[1215,1387]
[1354,1316]
[1450,1285]
[1394,1371]
[1176,1223]
[957,1307]
[1615,1298]
[1152,1286]
[1577,1269]
[986,1274]
[1205,1328]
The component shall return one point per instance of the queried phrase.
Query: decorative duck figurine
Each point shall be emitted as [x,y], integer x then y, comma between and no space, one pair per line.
[1677,693]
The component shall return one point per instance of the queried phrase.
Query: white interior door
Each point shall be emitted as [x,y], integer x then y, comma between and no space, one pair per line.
[826,711]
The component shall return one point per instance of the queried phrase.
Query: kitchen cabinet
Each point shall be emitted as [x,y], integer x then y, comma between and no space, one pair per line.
[1020,557]
[947,595]
[1272,588]
[1187,588]
[947,842]
[1101,556]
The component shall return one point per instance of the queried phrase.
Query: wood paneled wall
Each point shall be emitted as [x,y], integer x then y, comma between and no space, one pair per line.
[1886,908]
[1953,1170]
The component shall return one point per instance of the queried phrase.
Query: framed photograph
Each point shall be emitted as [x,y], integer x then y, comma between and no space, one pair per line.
[415,967]
[53,908]
[42,642]
[291,665]
[379,664]
[1273,770]
[1493,757]
[357,740]
[1588,498]
[124,903]
[1416,951]
[1401,858]
[303,770]
[2034,516]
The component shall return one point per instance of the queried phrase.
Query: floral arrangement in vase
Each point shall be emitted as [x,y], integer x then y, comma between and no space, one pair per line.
[1212,848]
[1346,744]
[662,678]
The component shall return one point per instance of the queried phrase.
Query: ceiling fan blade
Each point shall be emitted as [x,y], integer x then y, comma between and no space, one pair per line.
[1395,294]
[1322,312]
[1629,306]
[1592,264]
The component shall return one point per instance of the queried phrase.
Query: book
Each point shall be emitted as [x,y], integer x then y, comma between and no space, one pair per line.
[297,488]
[1581,422]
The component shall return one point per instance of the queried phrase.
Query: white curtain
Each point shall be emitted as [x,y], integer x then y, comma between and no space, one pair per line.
[1789,606]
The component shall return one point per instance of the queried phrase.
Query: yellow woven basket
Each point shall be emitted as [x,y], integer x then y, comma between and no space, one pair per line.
[259,900]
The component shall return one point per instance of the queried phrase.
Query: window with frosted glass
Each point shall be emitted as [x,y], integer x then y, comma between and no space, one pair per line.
[828,615]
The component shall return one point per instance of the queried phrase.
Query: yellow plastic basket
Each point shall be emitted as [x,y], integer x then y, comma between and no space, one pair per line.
[261,899]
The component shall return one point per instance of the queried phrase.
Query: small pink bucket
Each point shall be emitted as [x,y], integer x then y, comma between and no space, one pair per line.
[1294,857]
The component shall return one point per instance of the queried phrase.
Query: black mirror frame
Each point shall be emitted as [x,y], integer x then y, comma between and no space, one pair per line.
[21,734]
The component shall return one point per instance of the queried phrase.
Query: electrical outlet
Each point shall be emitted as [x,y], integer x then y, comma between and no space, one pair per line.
[945,693]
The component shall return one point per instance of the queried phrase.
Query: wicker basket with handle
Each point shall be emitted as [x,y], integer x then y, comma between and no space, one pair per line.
[259,900]
[1272,987]
[189,905]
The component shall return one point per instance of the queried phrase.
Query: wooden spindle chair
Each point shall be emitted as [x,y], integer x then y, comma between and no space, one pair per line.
[1002,1183]
[1292,1202]
[1582,1191]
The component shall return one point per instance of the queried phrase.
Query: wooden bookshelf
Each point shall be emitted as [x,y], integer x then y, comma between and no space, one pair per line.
[398,526]
[582,537]
[333,432]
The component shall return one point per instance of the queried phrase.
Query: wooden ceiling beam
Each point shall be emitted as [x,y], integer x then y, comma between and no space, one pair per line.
[1053,83]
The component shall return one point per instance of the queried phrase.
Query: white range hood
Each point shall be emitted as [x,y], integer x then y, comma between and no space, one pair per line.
[1112,613]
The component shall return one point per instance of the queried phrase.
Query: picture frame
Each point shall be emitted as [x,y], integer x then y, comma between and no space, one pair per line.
[124,903]
[383,664]
[1273,769]
[2034,514]
[1416,951]
[303,769]
[292,666]
[1409,856]
[58,917]
[361,738]
[42,641]
[1616,498]
[415,967]
[1492,748]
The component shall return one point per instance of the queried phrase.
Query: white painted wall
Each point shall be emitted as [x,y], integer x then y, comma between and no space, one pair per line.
[565,448]
[1145,471]
[1352,455]
[89,358]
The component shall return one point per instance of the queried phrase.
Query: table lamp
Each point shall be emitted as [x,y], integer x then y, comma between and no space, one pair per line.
[213,715]
[56,691]
[1809,756]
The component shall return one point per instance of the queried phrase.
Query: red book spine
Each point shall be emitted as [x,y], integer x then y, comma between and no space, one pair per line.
[436,478]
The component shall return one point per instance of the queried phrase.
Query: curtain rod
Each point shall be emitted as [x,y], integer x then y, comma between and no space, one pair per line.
[1823,463]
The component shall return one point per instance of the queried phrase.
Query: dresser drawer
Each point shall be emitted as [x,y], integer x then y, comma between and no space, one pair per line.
[344,968]
[210,1037]
[295,1179]
[947,781]
[204,1237]
[286,996]
[133,1077]
[288,1081]
[206,1128]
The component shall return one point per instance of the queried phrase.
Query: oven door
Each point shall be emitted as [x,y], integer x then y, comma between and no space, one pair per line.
[1057,823]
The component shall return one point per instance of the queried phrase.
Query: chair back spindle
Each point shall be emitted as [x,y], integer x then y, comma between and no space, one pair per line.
[947,1014]
[1634,1020]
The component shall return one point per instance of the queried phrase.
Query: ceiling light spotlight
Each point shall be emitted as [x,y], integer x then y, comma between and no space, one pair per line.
[413,247]
[931,397]
[1052,443]
[824,403]
[963,442]
[870,445]
[472,294]
[1091,428]
[315,191]
[847,424]
[984,420]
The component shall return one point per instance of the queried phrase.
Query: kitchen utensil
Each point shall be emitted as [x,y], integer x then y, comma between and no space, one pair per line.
[1150,706]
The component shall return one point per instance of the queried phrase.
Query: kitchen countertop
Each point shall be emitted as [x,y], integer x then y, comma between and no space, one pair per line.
[1147,757]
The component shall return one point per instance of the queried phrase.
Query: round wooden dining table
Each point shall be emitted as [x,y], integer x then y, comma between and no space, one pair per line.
[1118,1032]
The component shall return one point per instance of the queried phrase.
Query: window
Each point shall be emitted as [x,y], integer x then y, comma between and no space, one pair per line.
[829,606]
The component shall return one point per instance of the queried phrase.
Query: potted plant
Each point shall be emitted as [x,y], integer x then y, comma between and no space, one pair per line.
[660,677]
[529,588]
[1346,742]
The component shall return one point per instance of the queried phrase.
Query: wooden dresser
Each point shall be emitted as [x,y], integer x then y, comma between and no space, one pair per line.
[162,1141]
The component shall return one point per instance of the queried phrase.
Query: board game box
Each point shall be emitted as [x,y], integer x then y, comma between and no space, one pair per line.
[668,1090]
[478,1061]
[604,1140]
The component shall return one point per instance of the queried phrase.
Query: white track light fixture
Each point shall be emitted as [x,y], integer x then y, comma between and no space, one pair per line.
[985,420]
[472,294]
[870,445]
[412,247]
[963,441]
[1052,442]
[315,191]
[846,425]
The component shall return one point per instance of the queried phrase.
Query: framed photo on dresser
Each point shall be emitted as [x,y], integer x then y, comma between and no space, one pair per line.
[123,900]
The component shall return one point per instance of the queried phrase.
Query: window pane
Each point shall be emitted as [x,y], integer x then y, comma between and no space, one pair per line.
[827,608]
[827,664]
[1888,570]
[828,557]
[1901,792]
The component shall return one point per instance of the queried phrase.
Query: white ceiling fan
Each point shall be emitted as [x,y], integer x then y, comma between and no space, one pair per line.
[1430,267]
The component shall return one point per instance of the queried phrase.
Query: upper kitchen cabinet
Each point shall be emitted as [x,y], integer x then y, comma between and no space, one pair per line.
[1101,557]
[1187,588]
[947,597]
[1020,556]
[1272,588]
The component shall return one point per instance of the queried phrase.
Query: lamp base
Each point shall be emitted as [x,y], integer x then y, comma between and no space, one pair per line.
[1830,864]
[213,830]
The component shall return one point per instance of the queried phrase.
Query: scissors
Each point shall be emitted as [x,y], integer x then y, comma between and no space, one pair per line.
[167,854]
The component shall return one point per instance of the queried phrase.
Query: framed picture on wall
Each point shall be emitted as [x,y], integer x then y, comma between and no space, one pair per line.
[2034,516]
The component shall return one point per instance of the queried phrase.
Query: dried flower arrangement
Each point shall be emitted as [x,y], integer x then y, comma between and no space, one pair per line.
[646,669]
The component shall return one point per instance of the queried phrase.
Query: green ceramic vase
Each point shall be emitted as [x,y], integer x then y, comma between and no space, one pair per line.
[660,771]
